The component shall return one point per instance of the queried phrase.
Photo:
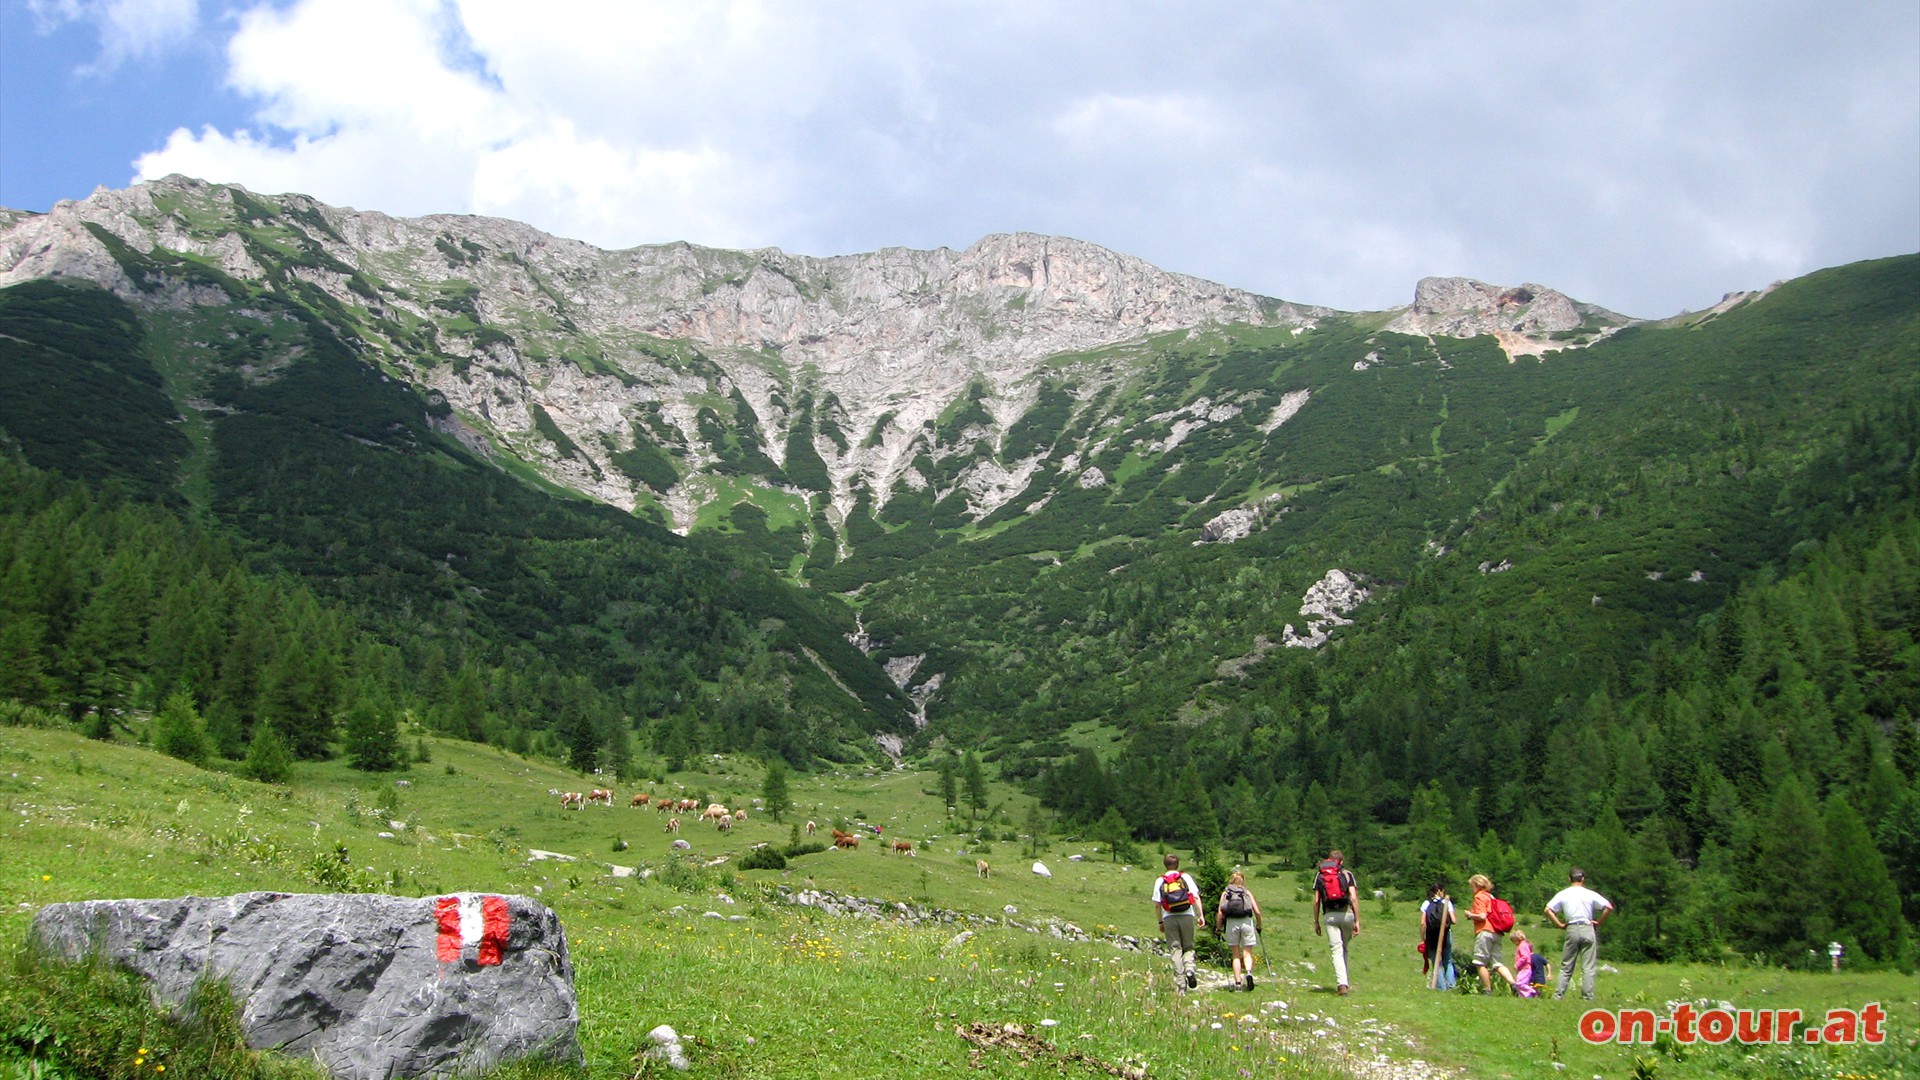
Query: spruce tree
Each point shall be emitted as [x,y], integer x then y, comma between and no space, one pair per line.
[975,781]
[177,731]
[1113,831]
[773,789]
[1783,908]
[949,784]
[268,759]
[373,738]
[1865,904]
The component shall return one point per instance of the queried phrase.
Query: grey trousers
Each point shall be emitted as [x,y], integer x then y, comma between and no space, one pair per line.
[1178,930]
[1582,945]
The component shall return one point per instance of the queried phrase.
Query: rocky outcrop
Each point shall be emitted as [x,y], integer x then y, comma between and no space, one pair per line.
[1463,307]
[1325,605]
[372,987]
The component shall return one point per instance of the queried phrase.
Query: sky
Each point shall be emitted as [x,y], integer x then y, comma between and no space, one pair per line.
[1645,155]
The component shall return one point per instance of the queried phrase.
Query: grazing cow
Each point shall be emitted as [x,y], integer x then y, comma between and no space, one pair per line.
[640,799]
[664,806]
[904,847]
[812,828]
[839,836]
[717,813]
[846,840]
[673,825]
[573,799]
[982,867]
[724,823]
[740,814]
[600,795]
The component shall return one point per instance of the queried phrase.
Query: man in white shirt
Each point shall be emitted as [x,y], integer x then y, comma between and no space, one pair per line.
[1176,898]
[1578,910]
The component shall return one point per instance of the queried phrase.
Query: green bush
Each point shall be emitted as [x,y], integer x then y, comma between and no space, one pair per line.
[763,858]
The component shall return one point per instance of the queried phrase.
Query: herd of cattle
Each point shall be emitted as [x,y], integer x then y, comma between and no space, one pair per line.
[721,817]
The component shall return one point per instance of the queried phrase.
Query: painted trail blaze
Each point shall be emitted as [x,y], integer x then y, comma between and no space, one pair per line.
[471,921]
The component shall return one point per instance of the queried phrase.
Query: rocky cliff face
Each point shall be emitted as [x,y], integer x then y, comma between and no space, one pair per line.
[507,322]
[838,379]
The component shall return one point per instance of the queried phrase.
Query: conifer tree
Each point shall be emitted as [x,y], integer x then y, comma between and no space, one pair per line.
[773,789]
[177,731]
[373,738]
[975,782]
[268,759]
[1113,831]
[949,784]
[1865,905]
[1783,908]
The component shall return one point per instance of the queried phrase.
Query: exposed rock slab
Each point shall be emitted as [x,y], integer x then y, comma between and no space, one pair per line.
[373,987]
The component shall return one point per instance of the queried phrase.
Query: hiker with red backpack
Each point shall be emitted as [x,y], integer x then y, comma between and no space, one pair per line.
[1336,907]
[1492,917]
[1177,899]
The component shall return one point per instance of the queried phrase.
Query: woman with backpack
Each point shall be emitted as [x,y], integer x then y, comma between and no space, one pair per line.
[1437,917]
[1492,918]
[1238,920]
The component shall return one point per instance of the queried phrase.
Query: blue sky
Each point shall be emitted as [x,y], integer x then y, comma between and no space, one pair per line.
[1647,156]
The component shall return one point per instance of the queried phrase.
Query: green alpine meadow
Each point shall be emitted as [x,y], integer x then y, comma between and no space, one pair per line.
[336,549]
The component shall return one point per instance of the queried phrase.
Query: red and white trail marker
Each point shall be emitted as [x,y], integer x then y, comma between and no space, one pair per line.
[471,921]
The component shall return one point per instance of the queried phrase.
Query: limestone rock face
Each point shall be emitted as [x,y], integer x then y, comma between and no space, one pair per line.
[1462,307]
[1325,607]
[374,987]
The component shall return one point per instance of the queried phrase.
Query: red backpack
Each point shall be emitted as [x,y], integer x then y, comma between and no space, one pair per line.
[1333,886]
[1174,897]
[1499,916]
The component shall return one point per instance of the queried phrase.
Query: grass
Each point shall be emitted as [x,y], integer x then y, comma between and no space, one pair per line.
[757,987]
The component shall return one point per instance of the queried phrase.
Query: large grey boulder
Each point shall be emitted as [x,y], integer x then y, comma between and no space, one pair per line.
[373,987]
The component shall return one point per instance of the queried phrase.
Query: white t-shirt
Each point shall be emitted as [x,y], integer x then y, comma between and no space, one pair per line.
[1193,893]
[1578,904]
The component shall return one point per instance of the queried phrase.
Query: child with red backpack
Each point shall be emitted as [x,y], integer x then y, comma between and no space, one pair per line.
[1177,899]
[1492,918]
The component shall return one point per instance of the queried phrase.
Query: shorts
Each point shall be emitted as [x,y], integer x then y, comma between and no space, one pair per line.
[1486,949]
[1240,932]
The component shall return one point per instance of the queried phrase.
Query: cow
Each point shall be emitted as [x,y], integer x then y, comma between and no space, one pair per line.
[600,795]
[716,813]
[724,823]
[846,840]
[663,806]
[640,799]
[812,828]
[839,836]
[904,847]
[982,867]
[573,799]
[687,805]
[740,815]
[673,825]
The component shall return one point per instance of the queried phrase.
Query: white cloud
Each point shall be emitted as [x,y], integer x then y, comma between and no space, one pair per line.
[1641,155]
[128,29]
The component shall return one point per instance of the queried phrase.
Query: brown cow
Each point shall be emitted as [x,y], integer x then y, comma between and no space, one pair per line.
[664,806]
[812,828]
[846,840]
[640,799]
[905,847]
[740,814]
[981,866]
[673,825]
[717,813]
[573,799]
[724,823]
[600,795]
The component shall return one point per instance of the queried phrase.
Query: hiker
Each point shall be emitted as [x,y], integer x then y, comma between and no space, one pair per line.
[1579,911]
[1176,898]
[1486,935]
[1437,917]
[1524,963]
[1238,920]
[1336,907]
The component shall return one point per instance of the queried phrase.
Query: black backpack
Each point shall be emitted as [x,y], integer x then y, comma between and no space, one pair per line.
[1235,903]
